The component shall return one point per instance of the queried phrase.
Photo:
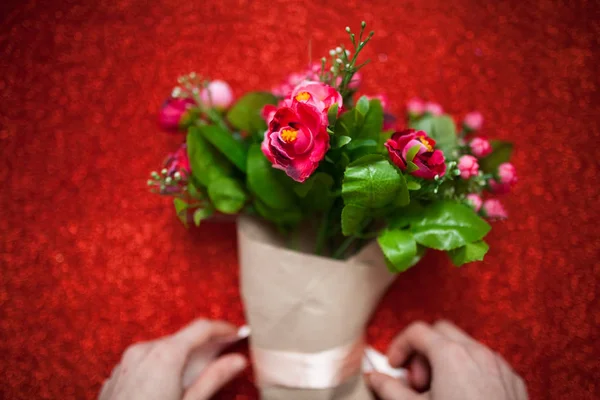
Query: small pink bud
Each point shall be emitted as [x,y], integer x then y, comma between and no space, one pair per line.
[220,95]
[434,109]
[473,121]
[355,82]
[480,147]
[493,209]
[475,201]
[383,99]
[415,107]
[468,166]
[172,111]
[507,173]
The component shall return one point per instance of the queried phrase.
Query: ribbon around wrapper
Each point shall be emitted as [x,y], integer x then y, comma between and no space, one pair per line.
[320,370]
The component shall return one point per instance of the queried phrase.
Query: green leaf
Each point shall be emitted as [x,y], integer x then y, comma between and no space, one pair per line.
[373,123]
[399,248]
[195,192]
[412,152]
[372,182]
[405,216]
[501,152]
[362,105]
[411,167]
[444,133]
[413,185]
[206,163]
[340,141]
[423,124]
[469,253]
[332,114]
[245,114]
[319,179]
[226,144]
[181,209]
[345,125]
[227,195]
[287,217]
[263,182]
[200,214]
[403,196]
[352,219]
[447,225]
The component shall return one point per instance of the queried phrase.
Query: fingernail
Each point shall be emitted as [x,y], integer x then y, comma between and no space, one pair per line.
[243,332]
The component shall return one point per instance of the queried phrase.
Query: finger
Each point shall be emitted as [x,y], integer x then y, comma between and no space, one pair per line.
[109,385]
[419,373]
[418,337]
[105,392]
[388,388]
[202,331]
[452,331]
[215,376]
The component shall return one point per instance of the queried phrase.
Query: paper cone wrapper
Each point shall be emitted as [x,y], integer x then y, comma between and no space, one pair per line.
[299,302]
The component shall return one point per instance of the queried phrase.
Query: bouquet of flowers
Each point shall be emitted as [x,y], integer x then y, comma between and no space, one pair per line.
[325,180]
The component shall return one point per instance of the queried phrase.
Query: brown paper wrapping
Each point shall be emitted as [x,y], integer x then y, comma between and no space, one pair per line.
[305,303]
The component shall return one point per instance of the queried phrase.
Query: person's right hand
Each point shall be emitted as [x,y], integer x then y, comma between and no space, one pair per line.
[461,368]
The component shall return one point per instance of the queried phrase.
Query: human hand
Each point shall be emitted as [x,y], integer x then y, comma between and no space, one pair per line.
[461,368]
[153,370]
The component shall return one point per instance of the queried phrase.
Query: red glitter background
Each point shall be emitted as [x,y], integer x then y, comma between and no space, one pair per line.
[91,262]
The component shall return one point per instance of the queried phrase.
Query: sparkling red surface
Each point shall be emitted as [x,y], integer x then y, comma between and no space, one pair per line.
[91,262]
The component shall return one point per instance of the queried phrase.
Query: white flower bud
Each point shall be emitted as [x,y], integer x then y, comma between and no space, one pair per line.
[168,180]
[176,91]
[347,53]
[348,29]
[177,175]
[338,60]
[163,171]
[338,49]
[332,52]
[150,182]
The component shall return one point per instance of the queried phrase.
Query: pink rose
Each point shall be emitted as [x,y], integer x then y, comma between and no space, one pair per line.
[317,94]
[433,109]
[415,107]
[220,96]
[493,209]
[429,162]
[473,121]
[480,147]
[172,111]
[507,173]
[297,138]
[507,177]
[475,201]
[468,166]
[268,112]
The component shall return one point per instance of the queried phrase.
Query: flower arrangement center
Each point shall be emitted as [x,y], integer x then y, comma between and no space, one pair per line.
[289,135]
[426,143]
[303,96]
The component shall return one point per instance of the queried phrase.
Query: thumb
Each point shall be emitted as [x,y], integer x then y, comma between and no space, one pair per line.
[388,388]
[215,376]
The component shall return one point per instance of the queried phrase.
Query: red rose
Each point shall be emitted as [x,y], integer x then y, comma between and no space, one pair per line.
[296,140]
[429,162]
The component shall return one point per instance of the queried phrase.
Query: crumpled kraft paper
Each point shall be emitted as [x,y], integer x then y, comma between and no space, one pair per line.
[306,303]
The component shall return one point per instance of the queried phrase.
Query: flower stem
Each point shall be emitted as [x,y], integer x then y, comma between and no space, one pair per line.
[339,253]
[322,233]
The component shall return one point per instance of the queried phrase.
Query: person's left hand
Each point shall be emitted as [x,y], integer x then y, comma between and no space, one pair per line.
[154,370]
